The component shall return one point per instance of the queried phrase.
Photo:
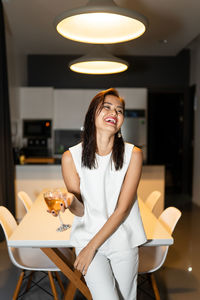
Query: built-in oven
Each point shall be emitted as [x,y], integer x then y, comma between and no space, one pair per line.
[37,134]
[36,129]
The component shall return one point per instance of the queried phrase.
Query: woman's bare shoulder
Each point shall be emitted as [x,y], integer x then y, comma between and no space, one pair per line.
[67,158]
[137,153]
[137,149]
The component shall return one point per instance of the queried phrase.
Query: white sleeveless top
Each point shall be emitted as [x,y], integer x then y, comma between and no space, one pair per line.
[100,189]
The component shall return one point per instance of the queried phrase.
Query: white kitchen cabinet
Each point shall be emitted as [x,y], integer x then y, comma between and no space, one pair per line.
[69,109]
[70,105]
[36,102]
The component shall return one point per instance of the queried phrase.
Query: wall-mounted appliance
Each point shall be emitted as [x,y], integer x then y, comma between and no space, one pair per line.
[134,129]
[36,128]
[37,133]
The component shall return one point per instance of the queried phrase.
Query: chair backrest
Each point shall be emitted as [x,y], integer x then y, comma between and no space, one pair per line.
[8,224]
[23,258]
[26,200]
[152,258]
[7,221]
[169,218]
[152,199]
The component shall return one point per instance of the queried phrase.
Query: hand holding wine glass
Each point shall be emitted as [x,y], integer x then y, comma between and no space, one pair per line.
[57,201]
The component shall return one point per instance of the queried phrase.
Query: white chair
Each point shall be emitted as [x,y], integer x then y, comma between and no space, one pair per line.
[152,199]
[31,259]
[26,200]
[152,258]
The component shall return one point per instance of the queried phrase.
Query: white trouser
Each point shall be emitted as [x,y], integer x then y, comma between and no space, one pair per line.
[112,275]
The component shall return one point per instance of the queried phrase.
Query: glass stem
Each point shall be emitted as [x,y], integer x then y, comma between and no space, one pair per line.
[61,222]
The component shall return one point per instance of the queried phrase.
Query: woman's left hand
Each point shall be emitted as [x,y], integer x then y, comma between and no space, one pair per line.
[84,259]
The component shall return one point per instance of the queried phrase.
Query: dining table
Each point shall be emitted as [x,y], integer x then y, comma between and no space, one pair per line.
[38,230]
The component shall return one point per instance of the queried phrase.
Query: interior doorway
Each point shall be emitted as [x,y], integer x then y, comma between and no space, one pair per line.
[170,138]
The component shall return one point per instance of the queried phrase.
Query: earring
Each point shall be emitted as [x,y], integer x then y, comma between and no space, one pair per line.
[119,134]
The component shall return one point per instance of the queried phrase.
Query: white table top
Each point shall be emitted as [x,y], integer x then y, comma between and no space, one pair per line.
[38,228]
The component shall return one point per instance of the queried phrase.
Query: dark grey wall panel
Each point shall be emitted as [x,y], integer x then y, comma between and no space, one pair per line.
[150,72]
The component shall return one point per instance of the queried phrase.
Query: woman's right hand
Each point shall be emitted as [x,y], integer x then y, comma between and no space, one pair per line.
[68,200]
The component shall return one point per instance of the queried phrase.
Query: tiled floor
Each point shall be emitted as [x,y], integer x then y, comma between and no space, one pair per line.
[179,278]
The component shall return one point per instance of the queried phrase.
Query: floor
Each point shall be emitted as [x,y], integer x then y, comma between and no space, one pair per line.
[178,279]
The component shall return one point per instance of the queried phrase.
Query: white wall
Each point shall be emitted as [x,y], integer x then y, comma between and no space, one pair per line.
[36,103]
[195,79]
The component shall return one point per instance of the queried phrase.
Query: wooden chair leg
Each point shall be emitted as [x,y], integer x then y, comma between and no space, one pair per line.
[155,287]
[19,283]
[29,281]
[60,282]
[55,295]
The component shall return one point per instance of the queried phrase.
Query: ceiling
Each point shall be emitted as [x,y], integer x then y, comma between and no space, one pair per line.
[173,24]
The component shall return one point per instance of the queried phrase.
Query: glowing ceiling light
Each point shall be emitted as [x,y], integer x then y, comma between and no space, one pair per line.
[101,22]
[98,62]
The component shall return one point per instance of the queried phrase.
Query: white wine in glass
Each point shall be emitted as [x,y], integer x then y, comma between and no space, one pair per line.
[53,200]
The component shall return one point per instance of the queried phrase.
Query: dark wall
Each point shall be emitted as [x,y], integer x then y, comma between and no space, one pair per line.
[151,72]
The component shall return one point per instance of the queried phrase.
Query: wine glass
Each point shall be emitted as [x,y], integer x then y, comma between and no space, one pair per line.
[53,199]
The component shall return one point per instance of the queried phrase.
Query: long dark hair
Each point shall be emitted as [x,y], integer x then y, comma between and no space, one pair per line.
[89,134]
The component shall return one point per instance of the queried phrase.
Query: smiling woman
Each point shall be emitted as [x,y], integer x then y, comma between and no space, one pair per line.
[102,174]
[95,124]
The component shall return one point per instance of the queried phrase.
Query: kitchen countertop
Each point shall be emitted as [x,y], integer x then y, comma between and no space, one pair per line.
[57,161]
[35,162]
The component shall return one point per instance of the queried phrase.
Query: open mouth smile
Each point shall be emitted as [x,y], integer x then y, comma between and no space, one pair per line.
[111,120]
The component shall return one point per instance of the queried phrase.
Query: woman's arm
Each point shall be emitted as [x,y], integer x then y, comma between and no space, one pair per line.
[72,182]
[122,210]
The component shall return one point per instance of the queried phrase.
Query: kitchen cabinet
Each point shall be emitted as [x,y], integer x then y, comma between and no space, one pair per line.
[67,107]
[36,102]
[70,105]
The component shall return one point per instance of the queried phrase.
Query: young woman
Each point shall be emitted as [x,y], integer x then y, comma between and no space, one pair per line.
[102,175]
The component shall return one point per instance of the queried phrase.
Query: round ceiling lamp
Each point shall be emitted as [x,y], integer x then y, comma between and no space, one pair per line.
[101,22]
[98,62]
